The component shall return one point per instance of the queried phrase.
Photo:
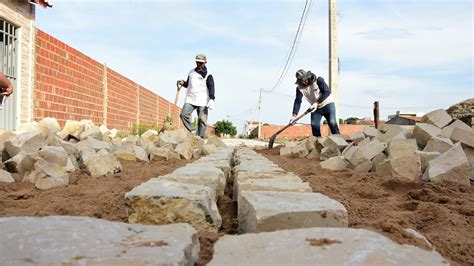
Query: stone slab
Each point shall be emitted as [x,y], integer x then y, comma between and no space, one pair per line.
[319,246]
[452,165]
[160,201]
[65,240]
[337,163]
[439,118]
[268,184]
[262,211]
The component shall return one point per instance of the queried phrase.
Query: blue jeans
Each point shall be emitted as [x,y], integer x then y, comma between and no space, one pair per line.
[329,112]
[202,118]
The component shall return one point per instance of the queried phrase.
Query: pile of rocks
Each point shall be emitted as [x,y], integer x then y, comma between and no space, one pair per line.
[44,154]
[187,195]
[439,148]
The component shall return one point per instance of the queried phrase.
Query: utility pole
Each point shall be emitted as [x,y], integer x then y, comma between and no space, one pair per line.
[333,56]
[259,113]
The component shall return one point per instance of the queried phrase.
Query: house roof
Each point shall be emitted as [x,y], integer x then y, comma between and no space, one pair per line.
[43,3]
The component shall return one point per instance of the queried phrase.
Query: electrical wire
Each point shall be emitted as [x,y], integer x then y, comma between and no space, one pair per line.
[291,54]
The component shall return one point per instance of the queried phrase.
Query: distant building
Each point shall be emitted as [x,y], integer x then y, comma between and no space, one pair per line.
[249,127]
[406,114]
[367,121]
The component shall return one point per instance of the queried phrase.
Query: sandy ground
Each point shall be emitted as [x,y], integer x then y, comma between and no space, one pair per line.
[443,213]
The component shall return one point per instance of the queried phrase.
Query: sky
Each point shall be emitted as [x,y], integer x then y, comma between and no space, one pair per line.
[410,55]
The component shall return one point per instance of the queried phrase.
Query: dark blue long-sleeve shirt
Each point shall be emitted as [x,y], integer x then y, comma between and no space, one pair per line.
[323,90]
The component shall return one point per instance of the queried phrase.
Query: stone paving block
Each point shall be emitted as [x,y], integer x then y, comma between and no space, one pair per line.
[208,149]
[290,177]
[379,158]
[159,154]
[93,133]
[400,148]
[335,141]
[66,240]
[199,174]
[337,163]
[446,131]
[185,150]
[329,152]
[220,164]
[261,211]
[357,137]
[438,144]
[54,154]
[6,176]
[28,142]
[310,143]
[140,154]
[439,118]
[211,139]
[267,184]
[371,132]
[100,163]
[319,246]
[424,132]
[394,132]
[452,165]
[406,166]
[464,136]
[425,157]
[160,201]
[314,154]
[470,157]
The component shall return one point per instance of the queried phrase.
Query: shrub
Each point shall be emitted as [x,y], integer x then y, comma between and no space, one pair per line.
[225,127]
[139,129]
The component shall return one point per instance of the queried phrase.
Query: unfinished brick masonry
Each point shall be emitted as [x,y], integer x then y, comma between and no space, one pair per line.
[71,85]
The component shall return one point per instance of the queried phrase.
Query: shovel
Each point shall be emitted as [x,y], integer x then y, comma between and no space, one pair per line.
[178,88]
[272,139]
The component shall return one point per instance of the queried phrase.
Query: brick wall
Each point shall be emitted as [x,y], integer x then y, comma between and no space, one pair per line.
[302,131]
[71,85]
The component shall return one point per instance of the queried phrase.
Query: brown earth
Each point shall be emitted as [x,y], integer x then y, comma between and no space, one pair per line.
[443,212]
[100,197]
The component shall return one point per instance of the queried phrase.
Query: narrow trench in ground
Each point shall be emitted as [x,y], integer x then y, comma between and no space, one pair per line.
[228,210]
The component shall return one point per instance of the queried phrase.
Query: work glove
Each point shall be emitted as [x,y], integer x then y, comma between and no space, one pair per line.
[210,104]
[292,119]
[314,106]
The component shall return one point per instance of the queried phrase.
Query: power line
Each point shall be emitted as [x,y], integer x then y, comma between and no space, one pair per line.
[294,46]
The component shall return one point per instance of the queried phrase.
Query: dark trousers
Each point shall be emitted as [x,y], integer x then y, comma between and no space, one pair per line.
[329,112]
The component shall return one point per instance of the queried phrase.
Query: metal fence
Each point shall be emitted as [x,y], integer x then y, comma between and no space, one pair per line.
[9,67]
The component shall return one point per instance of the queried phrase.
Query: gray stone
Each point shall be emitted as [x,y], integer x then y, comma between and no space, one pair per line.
[408,167]
[160,201]
[438,144]
[49,175]
[100,163]
[379,158]
[205,175]
[185,149]
[140,154]
[300,151]
[216,141]
[159,153]
[371,132]
[466,137]
[337,163]
[224,165]
[6,177]
[417,235]
[126,151]
[452,165]
[357,137]
[284,151]
[372,149]
[70,148]
[73,128]
[314,154]
[53,154]
[329,152]
[26,142]
[335,141]
[150,135]
[425,157]
[363,166]
[363,142]
[319,246]
[470,157]
[66,240]
[133,139]
[50,125]
[446,131]
[93,133]
[400,148]
[393,133]
[439,118]
[268,184]
[197,153]
[21,163]
[208,149]
[94,144]
[424,132]
[349,151]
[263,211]
[320,143]
[310,143]
[4,136]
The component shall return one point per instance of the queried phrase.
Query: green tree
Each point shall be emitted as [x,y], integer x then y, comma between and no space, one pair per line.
[225,127]
[351,120]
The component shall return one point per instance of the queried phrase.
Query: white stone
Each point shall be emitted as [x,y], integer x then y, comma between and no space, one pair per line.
[335,141]
[216,141]
[6,177]
[26,142]
[262,211]
[438,144]
[140,154]
[400,148]
[66,240]
[208,149]
[452,165]
[93,133]
[185,150]
[94,144]
[21,163]
[50,124]
[160,201]
[424,132]
[337,163]
[439,118]
[284,151]
[159,154]
[150,135]
[268,184]
[74,128]
[339,246]
[50,175]
[70,148]
[100,163]
[54,154]
[200,175]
